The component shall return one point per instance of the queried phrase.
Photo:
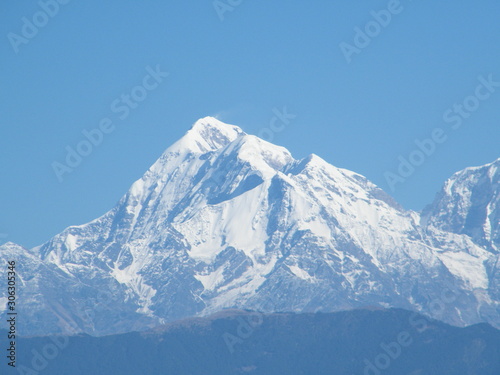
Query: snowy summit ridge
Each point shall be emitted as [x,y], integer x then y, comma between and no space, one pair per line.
[210,134]
[224,219]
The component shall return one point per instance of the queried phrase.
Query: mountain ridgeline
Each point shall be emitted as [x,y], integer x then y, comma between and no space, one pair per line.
[225,220]
[358,342]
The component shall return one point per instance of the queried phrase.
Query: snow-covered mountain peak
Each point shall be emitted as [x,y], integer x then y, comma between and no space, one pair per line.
[10,248]
[469,203]
[210,134]
[259,154]
[311,164]
[9,244]
[489,170]
[227,220]
[312,161]
[205,135]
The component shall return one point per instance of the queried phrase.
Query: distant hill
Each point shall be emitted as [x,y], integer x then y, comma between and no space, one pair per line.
[367,342]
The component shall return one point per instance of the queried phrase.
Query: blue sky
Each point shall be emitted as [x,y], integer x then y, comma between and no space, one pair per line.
[241,64]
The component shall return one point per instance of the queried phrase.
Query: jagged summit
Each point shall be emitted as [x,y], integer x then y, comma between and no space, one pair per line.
[224,219]
[210,122]
[262,156]
[10,244]
[209,134]
[469,203]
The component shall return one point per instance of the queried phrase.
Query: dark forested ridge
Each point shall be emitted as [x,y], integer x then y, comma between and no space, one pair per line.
[370,342]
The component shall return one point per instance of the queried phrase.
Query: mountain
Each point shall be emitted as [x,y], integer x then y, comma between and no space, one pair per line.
[469,203]
[224,219]
[238,342]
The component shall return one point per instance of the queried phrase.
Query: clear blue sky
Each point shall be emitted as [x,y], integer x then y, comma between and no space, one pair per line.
[263,55]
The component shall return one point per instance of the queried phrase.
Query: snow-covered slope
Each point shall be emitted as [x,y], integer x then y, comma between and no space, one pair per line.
[226,220]
[469,203]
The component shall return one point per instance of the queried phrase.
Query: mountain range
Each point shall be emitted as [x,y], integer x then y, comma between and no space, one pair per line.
[225,220]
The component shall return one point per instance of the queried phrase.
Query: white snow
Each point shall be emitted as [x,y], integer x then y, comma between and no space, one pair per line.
[300,273]
[468,268]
